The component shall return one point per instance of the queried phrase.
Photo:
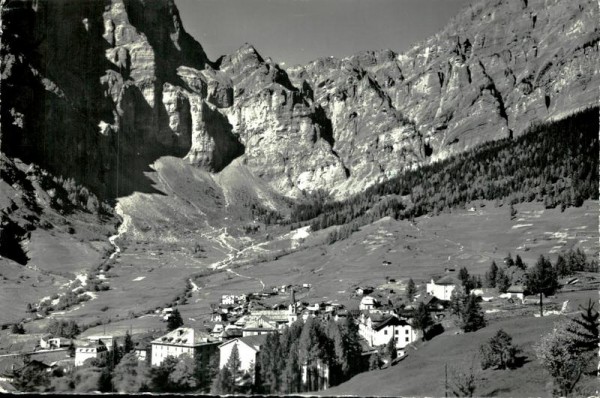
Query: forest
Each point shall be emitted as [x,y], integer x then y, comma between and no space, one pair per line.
[555,163]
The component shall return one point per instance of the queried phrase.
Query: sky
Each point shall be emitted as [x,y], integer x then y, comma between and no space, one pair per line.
[298,31]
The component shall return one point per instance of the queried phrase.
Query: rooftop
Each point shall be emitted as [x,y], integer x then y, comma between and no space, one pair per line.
[184,337]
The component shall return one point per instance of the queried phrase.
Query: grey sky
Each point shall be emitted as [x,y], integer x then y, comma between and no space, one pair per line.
[298,31]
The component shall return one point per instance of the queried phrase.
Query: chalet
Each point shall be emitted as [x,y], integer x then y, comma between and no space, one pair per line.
[90,350]
[432,303]
[368,303]
[142,351]
[378,329]
[515,291]
[182,341]
[11,367]
[248,349]
[48,342]
[443,287]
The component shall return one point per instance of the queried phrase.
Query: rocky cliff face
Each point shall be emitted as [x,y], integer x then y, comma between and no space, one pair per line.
[98,90]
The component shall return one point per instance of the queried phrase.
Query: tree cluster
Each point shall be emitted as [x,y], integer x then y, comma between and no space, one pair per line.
[311,345]
[468,310]
[555,163]
[568,351]
[59,328]
[499,352]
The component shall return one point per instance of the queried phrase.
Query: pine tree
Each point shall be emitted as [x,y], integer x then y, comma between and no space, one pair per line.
[411,290]
[502,280]
[353,347]
[561,266]
[584,330]
[471,317]
[223,382]
[292,378]
[128,343]
[234,366]
[422,320]
[391,350]
[508,261]
[519,263]
[542,280]
[174,320]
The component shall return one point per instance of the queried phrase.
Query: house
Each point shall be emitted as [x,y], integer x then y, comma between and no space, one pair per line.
[443,287]
[248,349]
[142,352]
[228,299]
[378,329]
[182,341]
[515,291]
[90,350]
[48,342]
[368,303]
[432,303]
[11,367]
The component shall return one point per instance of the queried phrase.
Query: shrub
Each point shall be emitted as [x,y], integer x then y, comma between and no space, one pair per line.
[498,352]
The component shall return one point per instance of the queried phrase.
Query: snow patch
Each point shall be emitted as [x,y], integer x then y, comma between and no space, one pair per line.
[139,278]
[521,226]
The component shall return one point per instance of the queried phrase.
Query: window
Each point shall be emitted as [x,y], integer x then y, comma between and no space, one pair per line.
[397,331]
[385,332]
[407,339]
[406,331]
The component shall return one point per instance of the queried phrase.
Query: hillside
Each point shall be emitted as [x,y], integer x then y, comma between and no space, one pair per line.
[422,373]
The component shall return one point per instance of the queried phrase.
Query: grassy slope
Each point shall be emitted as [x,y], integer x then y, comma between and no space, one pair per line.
[422,372]
[334,270]
[55,254]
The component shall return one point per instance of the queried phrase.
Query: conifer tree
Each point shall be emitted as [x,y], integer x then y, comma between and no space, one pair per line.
[422,320]
[411,290]
[542,280]
[174,320]
[471,317]
[128,343]
[391,350]
[519,263]
[502,281]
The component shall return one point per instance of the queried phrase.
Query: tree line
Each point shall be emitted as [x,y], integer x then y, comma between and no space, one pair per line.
[302,347]
[555,163]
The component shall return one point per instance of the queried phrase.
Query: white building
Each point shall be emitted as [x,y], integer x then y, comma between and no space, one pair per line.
[378,329]
[368,303]
[47,342]
[88,351]
[182,341]
[514,291]
[443,287]
[248,349]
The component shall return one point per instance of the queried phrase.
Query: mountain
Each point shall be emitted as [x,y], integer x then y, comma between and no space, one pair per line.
[97,91]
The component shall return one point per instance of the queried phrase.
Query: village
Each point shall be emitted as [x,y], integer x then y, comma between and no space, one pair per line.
[384,316]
